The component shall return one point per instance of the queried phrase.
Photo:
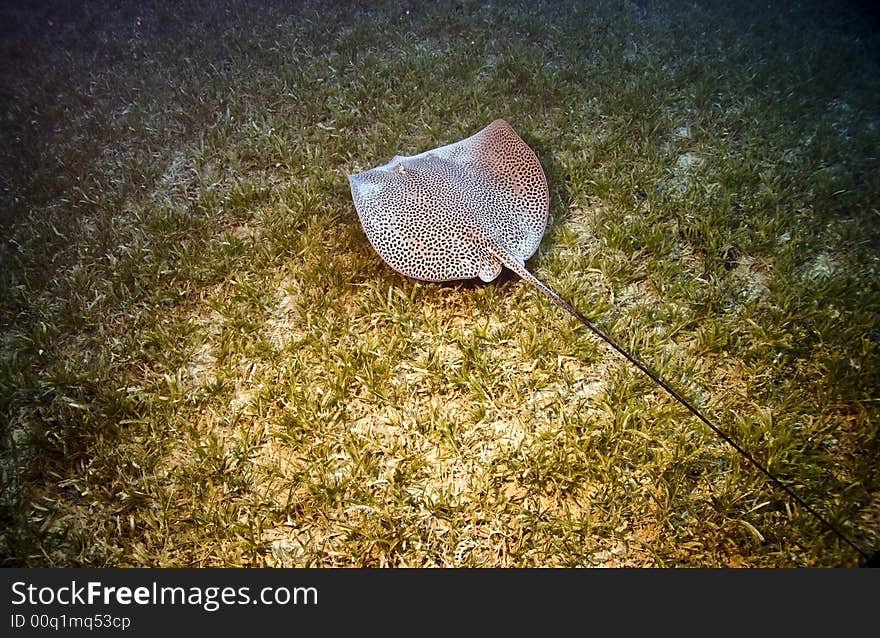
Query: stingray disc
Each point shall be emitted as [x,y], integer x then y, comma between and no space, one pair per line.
[447,213]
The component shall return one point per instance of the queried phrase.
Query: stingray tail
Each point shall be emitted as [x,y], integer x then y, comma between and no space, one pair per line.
[519,268]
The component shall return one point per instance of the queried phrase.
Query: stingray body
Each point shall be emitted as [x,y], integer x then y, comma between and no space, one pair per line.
[467,209]
[460,211]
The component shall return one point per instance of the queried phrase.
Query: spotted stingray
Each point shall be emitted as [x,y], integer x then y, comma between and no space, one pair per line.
[460,211]
[468,209]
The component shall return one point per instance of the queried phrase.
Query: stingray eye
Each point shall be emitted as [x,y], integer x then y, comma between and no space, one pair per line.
[401,169]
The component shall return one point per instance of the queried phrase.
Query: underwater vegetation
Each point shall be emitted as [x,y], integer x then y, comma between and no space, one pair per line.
[204,362]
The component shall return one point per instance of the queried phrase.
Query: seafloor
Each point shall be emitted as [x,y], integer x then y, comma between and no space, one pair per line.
[203,362]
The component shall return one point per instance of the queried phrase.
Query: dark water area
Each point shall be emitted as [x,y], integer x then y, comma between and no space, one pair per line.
[76,41]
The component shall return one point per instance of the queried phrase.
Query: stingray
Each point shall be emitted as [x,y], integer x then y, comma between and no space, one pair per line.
[469,209]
